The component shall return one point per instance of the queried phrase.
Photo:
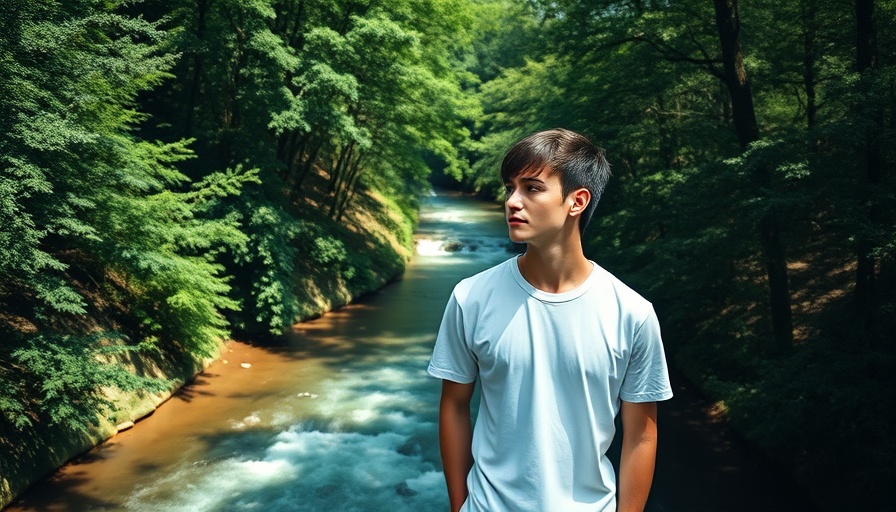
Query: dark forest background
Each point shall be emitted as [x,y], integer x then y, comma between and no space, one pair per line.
[173,173]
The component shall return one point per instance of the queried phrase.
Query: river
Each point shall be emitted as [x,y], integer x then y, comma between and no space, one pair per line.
[341,416]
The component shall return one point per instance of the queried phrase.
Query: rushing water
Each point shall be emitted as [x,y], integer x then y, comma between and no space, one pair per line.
[343,417]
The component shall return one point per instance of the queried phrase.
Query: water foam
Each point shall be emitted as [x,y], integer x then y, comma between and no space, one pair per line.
[468,245]
[367,444]
[306,470]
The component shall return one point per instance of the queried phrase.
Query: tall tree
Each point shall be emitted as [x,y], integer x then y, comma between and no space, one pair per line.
[870,155]
[747,129]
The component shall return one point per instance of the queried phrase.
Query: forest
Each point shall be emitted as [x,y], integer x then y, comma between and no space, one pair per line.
[176,173]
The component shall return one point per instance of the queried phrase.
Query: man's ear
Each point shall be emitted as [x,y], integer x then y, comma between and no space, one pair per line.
[580,200]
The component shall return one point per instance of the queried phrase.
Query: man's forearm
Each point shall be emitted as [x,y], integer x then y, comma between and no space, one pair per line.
[455,444]
[638,459]
[636,468]
[455,438]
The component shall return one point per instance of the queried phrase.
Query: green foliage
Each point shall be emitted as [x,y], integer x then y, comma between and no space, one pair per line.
[179,290]
[170,170]
[364,95]
[88,206]
[504,33]
[266,266]
[352,89]
[779,411]
[64,377]
[70,73]
[289,264]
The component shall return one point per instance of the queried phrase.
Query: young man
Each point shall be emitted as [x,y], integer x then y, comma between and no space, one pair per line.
[560,347]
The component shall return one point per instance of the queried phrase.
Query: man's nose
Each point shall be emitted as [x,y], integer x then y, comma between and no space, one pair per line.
[513,201]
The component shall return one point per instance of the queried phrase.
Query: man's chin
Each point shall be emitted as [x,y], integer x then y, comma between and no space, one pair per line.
[517,239]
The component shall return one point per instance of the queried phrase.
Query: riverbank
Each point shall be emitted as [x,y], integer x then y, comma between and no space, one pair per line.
[377,240]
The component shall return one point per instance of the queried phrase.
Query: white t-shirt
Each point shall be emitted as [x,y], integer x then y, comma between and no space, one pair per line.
[552,368]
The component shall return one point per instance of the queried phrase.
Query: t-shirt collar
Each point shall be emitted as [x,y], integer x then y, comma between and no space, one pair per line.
[547,296]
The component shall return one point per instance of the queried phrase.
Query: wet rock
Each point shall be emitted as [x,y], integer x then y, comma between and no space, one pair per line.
[121,427]
[453,246]
[402,489]
[410,448]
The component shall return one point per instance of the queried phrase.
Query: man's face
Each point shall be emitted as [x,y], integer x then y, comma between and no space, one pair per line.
[535,209]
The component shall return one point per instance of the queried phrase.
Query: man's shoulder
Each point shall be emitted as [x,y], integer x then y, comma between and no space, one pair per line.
[625,295]
[484,280]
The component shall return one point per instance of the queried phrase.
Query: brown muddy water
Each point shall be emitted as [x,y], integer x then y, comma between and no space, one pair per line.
[342,417]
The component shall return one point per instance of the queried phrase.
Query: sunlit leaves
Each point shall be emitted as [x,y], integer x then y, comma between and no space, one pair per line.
[64,374]
[70,75]
[169,256]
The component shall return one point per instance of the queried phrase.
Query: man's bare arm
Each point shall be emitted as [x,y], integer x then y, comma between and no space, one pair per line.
[636,465]
[455,439]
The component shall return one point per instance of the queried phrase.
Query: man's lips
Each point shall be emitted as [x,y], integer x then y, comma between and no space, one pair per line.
[515,220]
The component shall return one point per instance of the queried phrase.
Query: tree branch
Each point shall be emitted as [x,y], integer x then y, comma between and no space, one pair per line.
[672,54]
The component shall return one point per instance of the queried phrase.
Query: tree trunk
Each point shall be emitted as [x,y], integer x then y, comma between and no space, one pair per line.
[202,7]
[779,294]
[337,174]
[308,163]
[742,112]
[349,190]
[230,123]
[747,130]
[810,52]
[667,137]
[866,36]
[870,156]
[293,157]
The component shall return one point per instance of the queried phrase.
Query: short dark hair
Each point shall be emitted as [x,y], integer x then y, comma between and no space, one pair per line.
[578,162]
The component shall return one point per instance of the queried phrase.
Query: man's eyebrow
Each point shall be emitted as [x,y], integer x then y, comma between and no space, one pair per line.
[524,178]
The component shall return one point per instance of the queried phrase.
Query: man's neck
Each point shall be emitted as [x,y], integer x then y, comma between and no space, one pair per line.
[555,269]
